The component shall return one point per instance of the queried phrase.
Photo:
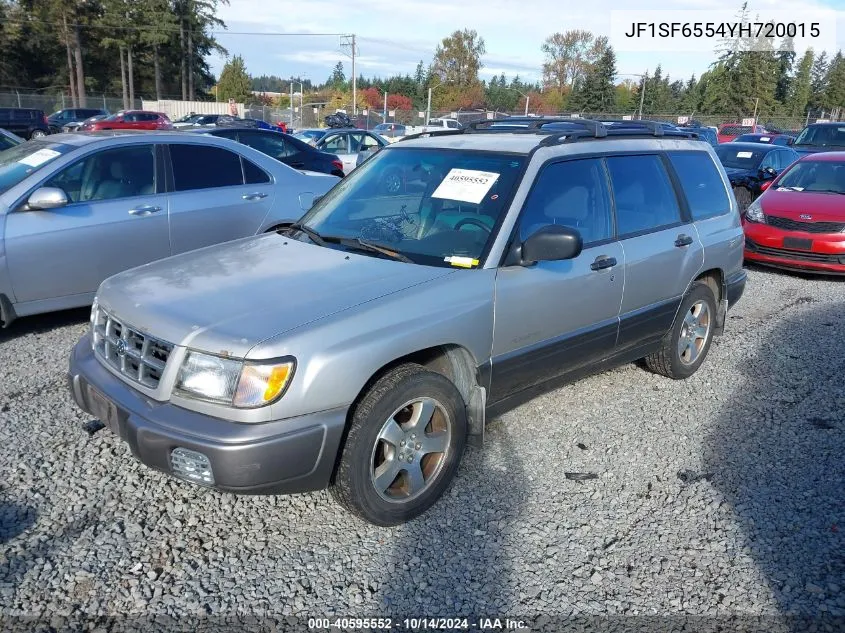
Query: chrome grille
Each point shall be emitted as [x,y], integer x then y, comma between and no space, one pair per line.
[138,356]
[808,227]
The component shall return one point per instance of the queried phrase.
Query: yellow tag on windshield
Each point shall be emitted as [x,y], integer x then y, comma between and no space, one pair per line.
[461,262]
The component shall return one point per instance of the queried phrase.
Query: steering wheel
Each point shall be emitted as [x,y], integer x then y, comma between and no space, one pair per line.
[474,222]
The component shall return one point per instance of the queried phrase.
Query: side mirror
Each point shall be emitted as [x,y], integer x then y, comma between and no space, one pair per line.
[769,172]
[47,198]
[551,243]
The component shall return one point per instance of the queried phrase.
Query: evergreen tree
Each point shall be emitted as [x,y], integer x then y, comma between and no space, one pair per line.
[338,77]
[785,61]
[596,91]
[818,82]
[834,94]
[801,88]
[234,82]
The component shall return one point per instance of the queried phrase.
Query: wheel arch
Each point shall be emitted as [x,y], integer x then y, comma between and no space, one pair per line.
[716,280]
[452,361]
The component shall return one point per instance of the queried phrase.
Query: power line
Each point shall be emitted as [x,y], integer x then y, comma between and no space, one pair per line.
[164,29]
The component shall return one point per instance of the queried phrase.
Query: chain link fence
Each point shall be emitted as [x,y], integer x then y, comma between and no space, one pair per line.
[51,102]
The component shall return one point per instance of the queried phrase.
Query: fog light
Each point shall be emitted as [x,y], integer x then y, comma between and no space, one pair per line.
[192,466]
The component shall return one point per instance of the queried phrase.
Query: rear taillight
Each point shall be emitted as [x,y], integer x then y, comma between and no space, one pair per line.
[44,120]
[337,164]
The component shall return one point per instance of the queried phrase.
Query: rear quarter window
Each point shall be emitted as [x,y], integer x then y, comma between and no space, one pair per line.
[701,183]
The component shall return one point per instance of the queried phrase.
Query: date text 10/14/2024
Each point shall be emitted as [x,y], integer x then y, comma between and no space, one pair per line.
[417,624]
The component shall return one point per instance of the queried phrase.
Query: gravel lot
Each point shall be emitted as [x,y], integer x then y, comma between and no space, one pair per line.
[721,496]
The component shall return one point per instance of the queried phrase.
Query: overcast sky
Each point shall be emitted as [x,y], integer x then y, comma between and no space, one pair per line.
[393,35]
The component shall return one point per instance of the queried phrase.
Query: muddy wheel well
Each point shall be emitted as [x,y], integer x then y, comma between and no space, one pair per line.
[715,280]
[452,361]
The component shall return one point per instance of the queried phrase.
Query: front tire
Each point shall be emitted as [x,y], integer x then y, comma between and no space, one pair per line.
[685,346]
[406,439]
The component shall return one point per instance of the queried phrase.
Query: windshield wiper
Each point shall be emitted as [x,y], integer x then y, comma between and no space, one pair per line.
[356,243]
[314,235]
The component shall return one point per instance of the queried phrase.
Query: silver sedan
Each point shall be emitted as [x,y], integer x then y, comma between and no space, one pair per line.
[81,207]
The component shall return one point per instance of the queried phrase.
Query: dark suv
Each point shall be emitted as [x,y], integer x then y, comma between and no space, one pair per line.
[821,137]
[25,122]
[59,119]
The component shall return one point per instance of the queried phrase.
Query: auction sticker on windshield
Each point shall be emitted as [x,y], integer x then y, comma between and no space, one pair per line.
[465,185]
[744,154]
[39,158]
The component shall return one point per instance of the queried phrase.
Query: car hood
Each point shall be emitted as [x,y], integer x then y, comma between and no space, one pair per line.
[815,149]
[227,298]
[823,207]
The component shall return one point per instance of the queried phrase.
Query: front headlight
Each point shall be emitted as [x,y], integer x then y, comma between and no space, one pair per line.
[237,383]
[754,212]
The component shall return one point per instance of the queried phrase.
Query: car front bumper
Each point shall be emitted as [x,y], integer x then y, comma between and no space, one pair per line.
[279,457]
[765,245]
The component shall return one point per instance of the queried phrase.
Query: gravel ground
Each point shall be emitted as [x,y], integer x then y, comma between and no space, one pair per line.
[719,501]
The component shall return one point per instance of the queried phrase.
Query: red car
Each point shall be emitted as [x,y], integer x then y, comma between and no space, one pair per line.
[130,120]
[799,221]
[729,131]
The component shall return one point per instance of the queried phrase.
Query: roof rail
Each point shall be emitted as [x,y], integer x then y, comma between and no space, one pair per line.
[656,127]
[537,125]
[430,133]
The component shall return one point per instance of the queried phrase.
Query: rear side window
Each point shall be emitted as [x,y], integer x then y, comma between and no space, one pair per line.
[204,167]
[253,174]
[645,198]
[702,184]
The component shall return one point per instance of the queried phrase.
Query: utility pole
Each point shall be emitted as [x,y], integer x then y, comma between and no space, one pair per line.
[428,108]
[642,95]
[349,40]
[756,103]
[385,107]
[291,102]
[527,99]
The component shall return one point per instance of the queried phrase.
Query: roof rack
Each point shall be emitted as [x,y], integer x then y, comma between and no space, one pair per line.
[430,133]
[581,129]
[537,125]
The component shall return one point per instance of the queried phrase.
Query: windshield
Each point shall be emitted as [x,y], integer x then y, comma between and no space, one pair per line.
[739,157]
[437,207]
[822,135]
[23,160]
[815,175]
[189,118]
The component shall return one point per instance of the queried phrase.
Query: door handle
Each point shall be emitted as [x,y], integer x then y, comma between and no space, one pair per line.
[146,209]
[297,165]
[603,261]
[254,196]
[683,240]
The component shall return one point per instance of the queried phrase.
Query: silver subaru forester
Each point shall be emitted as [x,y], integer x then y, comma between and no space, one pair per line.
[452,275]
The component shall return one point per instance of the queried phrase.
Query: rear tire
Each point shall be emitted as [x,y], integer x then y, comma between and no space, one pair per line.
[685,346]
[37,134]
[406,439]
